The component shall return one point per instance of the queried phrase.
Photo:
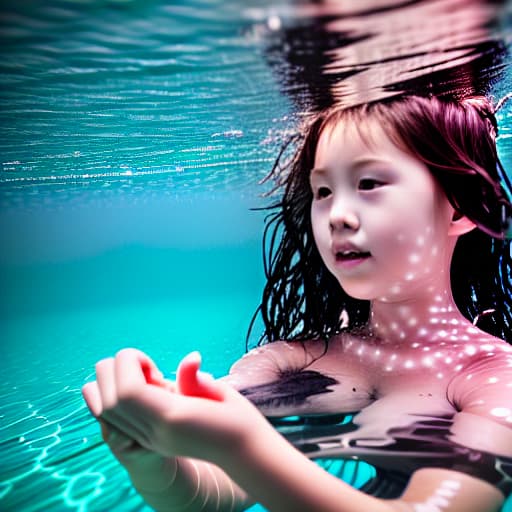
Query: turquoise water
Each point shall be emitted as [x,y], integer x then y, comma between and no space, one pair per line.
[133,138]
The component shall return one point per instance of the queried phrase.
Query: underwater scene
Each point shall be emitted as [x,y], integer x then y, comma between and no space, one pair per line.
[135,139]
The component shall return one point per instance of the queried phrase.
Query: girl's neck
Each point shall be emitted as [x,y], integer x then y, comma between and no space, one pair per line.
[433,319]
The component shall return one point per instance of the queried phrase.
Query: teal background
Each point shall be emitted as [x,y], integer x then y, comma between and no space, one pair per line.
[133,137]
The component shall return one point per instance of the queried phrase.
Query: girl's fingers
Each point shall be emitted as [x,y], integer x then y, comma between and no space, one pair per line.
[113,423]
[129,424]
[105,377]
[133,370]
[119,443]
[192,382]
[92,397]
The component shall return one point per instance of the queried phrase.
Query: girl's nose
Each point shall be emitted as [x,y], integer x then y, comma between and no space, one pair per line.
[343,219]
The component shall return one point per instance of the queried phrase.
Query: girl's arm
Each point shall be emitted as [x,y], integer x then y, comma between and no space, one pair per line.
[179,484]
[192,486]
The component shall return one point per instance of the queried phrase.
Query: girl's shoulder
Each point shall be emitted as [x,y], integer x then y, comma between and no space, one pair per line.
[272,360]
[302,377]
[484,385]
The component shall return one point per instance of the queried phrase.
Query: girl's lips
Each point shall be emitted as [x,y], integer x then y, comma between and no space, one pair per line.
[351,259]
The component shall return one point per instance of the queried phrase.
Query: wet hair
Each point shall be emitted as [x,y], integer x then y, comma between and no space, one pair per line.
[456,140]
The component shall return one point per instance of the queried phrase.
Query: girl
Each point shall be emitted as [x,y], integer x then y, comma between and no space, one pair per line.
[391,249]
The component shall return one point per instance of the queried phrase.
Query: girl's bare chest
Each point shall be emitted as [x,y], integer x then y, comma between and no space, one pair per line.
[387,380]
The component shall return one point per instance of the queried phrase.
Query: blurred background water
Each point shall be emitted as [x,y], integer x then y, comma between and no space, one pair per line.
[133,137]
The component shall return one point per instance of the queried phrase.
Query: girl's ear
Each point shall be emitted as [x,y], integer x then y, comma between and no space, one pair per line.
[460,225]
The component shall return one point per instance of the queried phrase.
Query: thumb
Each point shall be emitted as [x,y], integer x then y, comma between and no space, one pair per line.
[192,382]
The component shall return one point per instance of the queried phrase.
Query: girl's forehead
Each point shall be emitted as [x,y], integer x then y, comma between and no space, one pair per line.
[365,134]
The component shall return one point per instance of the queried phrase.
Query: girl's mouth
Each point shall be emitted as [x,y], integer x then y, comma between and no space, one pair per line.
[351,258]
[351,255]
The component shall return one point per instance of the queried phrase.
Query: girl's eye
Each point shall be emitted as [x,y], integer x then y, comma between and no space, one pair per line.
[369,184]
[322,192]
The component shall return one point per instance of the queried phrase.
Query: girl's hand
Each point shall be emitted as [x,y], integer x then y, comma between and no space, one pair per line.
[199,417]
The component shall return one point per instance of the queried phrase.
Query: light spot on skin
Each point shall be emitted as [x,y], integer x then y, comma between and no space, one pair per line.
[486,347]
[492,380]
[448,360]
[412,321]
[438,354]
[426,349]
[439,501]
[415,345]
[451,484]
[501,412]
[393,357]
[389,368]
[458,368]
[440,375]
[449,493]
[409,364]
[428,361]
[422,331]
[414,258]
[443,334]
[377,353]
[410,276]
[470,350]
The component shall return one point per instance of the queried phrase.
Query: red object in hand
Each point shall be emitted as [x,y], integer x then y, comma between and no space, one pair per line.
[192,382]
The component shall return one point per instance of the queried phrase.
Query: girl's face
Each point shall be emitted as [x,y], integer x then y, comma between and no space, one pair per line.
[380,220]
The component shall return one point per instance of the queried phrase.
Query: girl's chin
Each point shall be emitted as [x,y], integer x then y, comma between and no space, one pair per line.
[371,293]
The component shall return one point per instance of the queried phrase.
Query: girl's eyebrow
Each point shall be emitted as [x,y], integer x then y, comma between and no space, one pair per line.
[357,163]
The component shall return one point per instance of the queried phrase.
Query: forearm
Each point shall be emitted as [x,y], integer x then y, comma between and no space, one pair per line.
[189,485]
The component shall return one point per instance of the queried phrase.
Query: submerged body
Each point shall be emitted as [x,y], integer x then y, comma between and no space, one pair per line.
[411,406]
